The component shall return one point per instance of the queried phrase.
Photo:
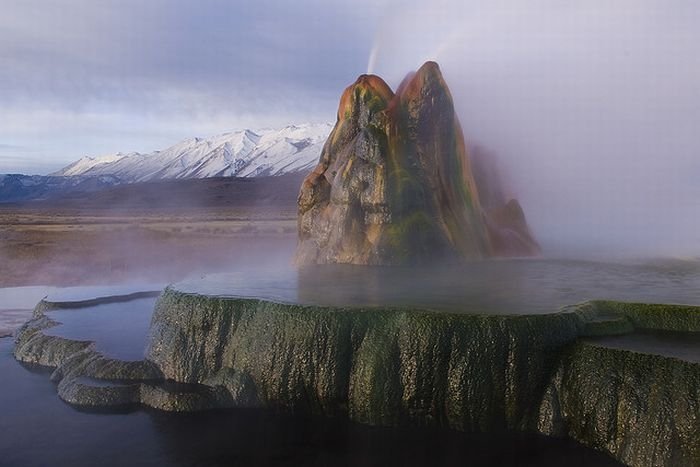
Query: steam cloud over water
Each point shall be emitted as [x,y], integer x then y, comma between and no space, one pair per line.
[592,109]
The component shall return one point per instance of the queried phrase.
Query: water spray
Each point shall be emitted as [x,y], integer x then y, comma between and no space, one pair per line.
[445,45]
[372,62]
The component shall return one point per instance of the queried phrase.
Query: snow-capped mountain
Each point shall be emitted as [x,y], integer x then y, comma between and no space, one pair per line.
[241,153]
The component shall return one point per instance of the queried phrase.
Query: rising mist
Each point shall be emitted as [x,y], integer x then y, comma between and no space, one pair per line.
[591,109]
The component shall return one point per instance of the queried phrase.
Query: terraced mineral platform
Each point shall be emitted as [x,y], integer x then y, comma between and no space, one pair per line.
[620,377]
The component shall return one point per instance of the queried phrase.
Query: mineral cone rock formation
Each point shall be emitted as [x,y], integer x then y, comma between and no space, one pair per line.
[394,184]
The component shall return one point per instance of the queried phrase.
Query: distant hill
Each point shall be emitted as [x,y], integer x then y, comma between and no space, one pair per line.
[16,187]
[258,195]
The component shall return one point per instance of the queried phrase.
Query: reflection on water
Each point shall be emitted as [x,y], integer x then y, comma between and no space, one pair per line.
[119,329]
[93,292]
[498,287]
[27,297]
[39,430]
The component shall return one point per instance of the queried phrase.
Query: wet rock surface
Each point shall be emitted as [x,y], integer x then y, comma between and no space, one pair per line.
[84,376]
[642,408]
[382,366]
[634,393]
[38,429]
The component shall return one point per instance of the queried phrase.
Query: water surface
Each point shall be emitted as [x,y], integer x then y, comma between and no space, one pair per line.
[118,329]
[17,303]
[492,287]
[681,345]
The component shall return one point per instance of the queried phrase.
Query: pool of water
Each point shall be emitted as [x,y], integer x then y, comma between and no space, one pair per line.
[17,303]
[118,329]
[493,287]
[38,430]
[80,294]
[680,345]
[23,297]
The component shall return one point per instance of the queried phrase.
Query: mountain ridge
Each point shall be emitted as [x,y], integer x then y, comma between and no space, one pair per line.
[244,153]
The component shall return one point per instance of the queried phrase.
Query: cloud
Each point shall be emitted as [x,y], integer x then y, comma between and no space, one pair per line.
[76,52]
[11,147]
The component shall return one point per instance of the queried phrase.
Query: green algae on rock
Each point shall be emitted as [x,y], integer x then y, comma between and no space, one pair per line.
[643,409]
[394,183]
[382,366]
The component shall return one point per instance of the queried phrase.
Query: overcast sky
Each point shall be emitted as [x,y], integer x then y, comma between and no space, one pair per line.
[592,107]
[86,77]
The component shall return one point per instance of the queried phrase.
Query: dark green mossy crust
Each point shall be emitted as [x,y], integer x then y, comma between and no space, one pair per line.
[403,366]
[379,366]
[467,372]
[641,408]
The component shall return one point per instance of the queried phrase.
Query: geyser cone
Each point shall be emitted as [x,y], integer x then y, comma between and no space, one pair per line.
[394,184]
[342,203]
[435,198]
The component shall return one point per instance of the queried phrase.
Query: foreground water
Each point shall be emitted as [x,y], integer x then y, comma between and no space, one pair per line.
[679,345]
[38,430]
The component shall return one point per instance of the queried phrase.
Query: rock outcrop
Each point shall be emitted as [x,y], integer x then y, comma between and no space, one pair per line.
[641,408]
[378,366]
[641,405]
[394,184]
